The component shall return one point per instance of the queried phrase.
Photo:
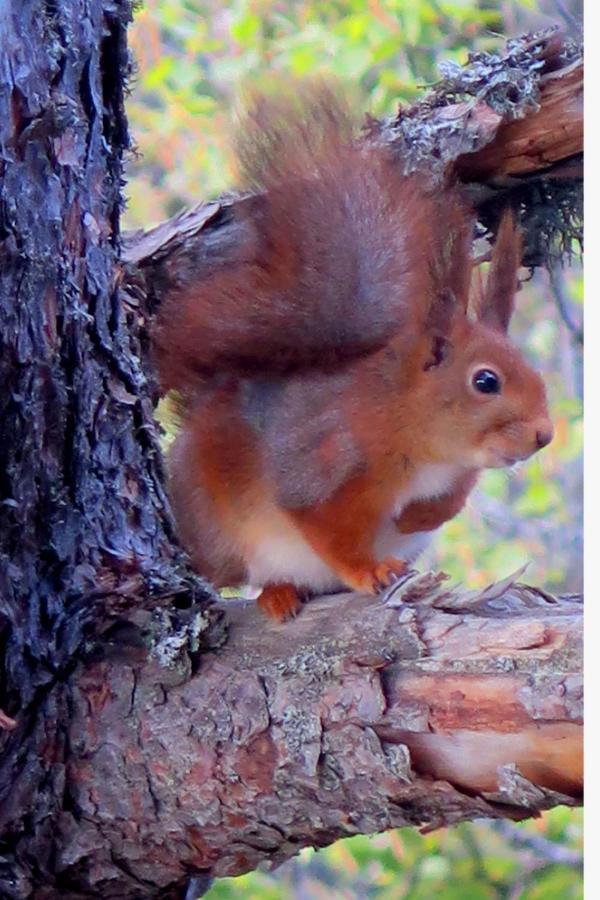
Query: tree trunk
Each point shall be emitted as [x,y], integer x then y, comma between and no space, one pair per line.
[84,524]
[130,761]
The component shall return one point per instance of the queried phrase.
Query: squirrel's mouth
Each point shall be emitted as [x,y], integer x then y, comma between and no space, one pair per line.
[498,459]
[516,442]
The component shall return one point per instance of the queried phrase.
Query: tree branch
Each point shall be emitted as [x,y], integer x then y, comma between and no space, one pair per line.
[529,154]
[360,715]
[546,142]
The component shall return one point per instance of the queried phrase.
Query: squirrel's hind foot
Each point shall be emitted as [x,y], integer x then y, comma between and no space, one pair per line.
[280,601]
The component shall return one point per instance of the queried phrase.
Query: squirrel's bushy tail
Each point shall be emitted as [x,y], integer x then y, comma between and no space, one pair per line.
[334,253]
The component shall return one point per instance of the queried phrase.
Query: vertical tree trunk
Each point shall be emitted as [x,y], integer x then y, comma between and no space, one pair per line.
[83,519]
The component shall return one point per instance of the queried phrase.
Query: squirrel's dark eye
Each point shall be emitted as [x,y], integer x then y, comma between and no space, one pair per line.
[486,382]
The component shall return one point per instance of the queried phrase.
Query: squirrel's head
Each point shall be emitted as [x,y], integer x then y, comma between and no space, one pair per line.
[490,405]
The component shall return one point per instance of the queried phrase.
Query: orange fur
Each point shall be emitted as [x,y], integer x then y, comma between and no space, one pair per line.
[427,515]
[326,369]
[280,601]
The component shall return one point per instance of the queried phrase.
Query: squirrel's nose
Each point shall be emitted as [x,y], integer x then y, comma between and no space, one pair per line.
[543,434]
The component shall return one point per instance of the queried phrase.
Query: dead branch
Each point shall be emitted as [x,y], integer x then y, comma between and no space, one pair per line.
[548,141]
[530,155]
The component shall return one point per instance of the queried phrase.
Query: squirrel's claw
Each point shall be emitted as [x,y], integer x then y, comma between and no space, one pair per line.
[378,577]
[387,572]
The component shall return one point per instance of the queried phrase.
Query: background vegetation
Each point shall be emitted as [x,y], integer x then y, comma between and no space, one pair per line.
[192,58]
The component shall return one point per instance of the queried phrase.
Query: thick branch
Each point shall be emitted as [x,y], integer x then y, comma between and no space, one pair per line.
[549,141]
[356,717]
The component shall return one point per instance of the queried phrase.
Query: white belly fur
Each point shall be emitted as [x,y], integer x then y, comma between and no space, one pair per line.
[283,554]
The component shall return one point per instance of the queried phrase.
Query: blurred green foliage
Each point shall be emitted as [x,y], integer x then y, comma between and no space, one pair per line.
[192,58]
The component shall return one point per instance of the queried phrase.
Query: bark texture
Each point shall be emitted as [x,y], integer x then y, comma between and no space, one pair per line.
[135,763]
[83,520]
[549,140]
[436,706]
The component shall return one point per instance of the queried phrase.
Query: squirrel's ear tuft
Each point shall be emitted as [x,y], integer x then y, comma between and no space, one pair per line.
[442,310]
[497,303]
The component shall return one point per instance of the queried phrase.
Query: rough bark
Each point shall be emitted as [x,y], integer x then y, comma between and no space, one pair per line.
[134,763]
[548,141]
[521,116]
[358,716]
[84,524]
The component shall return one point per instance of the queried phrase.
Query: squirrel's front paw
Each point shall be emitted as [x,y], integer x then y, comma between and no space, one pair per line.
[280,601]
[376,578]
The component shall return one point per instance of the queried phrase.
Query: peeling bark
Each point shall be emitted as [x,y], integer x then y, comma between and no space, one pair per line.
[356,717]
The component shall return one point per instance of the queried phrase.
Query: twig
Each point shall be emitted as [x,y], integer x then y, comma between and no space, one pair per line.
[560,296]
[546,851]
[568,16]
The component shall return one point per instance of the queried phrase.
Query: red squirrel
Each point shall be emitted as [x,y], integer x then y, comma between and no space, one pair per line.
[338,394]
